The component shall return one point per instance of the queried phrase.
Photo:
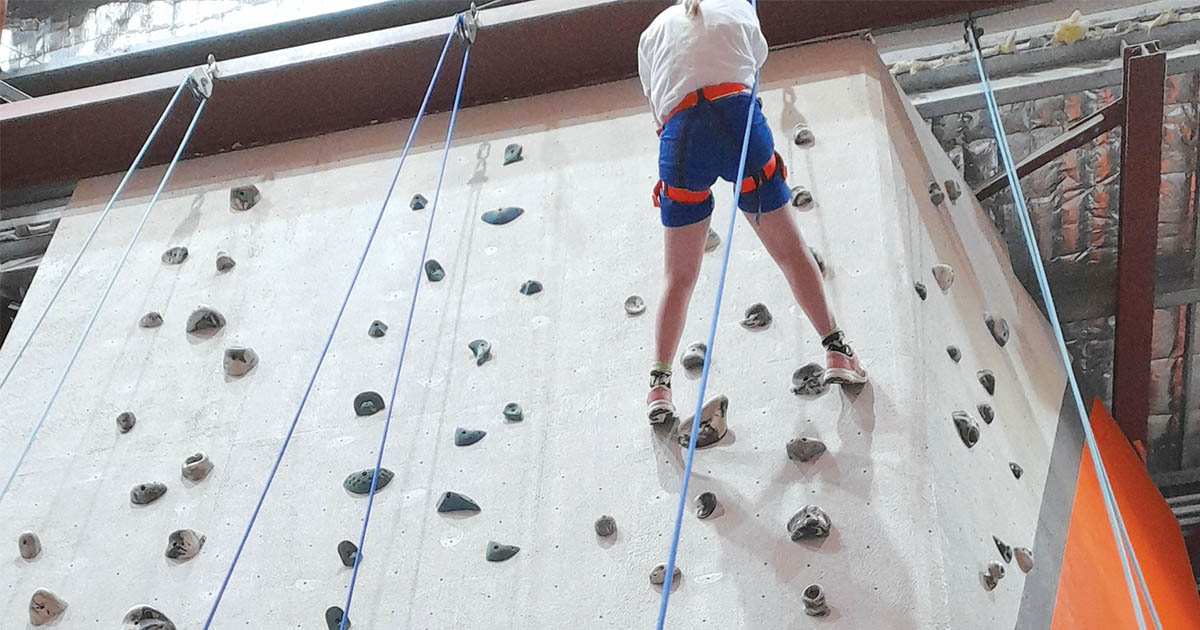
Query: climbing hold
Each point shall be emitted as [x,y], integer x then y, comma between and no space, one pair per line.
[968,429]
[347,551]
[368,404]
[802,135]
[29,545]
[467,437]
[757,316]
[497,552]
[634,305]
[817,258]
[153,319]
[920,288]
[992,575]
[45,607]
[434,271]
[242,198]
[1006,552]
[998,326]
[953,190]
[513,413]
[418,202]
[175,255]
[125,421]
[814,601]
[1016,469]
[809,380]
[712,241]
[986,412]
[145,618]
[944,274]
[377,329]
[205,321]
[239,361]
[184,544]
[1024,557]
[502,215]
[512,153]
[804,449]
[706,504]
[531,287]
[482,350]
[658,575]
[196,467]
[801,197]
[455,502]
[936,196]
[693,358]
[606,526]
[360,482]
[988,380]
[145,493]
[333,618]
[810,522]
[955,354]
[712,424]
[225,262]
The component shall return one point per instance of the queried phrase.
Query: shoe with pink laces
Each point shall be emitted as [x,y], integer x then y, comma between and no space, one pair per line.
[841,366]
[659,408]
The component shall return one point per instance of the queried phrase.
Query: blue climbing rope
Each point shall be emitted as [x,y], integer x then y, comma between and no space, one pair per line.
[1116,521]
[103,298]
[329,339]
[412,306]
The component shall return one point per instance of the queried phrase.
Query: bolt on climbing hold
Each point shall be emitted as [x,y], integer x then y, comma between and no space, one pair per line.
[205,321]
[804,449]
[175,255]
[29,545]
[242,198]
[434,271]
[944,274]
[967,428]
[153,319]
[45,607]
[125,421]
[757,316]
[953,190]
[986,412]
[513,413]
[501,216]
[196,467]
[658,575]
[348,552]
[606,526]
[998,326]
[512,153]
[801,197]
[1006,552]
[1024,556]
[920,289]
[712,241]
[706,505]
[239,361]
[333,618]
[814,601]
[936,196]
[954,352]
[809,380]
[497,552]
[368,404]
[810,522]
[531,287]
[635,305]
[145,618]
[802,135]
[482,351]
[146,493]
[184,544]
[820,260]
[467,437]
[360,482]
[377,329]
[225,262]
[455,502]
[988,380]
[693,357]
[992,575]
[418,202]
[1016,469]
[713,425]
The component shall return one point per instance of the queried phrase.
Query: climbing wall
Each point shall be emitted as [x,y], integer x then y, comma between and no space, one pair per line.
[913,509]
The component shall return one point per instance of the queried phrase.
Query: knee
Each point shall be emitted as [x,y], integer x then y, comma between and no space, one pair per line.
[682,279]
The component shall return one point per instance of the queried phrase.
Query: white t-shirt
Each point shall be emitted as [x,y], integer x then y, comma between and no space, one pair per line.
[678,54]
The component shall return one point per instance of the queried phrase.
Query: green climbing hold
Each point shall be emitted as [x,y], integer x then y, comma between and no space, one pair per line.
[497,552]
[455,502]
[434,271]
[482,350]
[513,413]
[368,404]
[502,215]
[360,482]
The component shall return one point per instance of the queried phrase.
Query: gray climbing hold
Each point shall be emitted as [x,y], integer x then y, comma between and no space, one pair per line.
[497,552]
[988,380]
[502,215]
[242,198]
[920,288]
[145,618]
[531,287]
[153,319]
[196,467]
[814,601]
[810,522]
[693,357]
[467,437]
[992,575]
[801,197]
[513,413]
[817,258]
[1006,552]
[635,305]
[953,190]
[455,502]
[986,412]
[347,551]
[512,153]
[968,429]
[360,482]
[205,321]
[706,505]
[368,404]
[29,545]
[333,618]
[1024,556]
[45,607]
[712,241]
[175,255]
[225,262]
[713,425]
[936,196]
[809,380]
[955,353]
[802,135]
[1016,469]
[998,326]
[482,351]
[944,274]
[434,271]
[418,202]
[606,526]
[804,449]
[125,421]
[184,544]
[146,493]
[239,361]
[377,329]
[757,316]
[658,575]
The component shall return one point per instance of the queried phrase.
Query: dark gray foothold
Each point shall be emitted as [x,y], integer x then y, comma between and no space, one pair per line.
[955,354]
[1016,469]
[482,351]
[368,404]
[45,607]
[809,380]
[804,449]
[988,380]
[944,275]
[968,429]
[986,412]
[418,202]
[658,575]
[153,319]
[125,421]
[347,551]
[953,190]
[467,437]
[998,326]
[606,526]
[196,467]
[635,305]
[1024,557]
[377,329]
[814,601]
[531,287]
[801,197]
[239,361]
[205,321]
[920,288]
[713,425]
[502,215]
[513,413]
[512,153]
[333,618]
[225,262]
[936,196]
[810,522]
[992,575]
[145,618]
[693,357]
[1006,552]
[712,241]
[184,544]
[706,504]
[802,135]
[434,271]
[820,260]
[360,482]
[242,198]
[146,493]
[757,316]
[175,255]
[28,545]
[497,552]
[455,502]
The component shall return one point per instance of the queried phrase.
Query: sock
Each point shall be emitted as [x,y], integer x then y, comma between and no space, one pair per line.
[660,374]
[835,341]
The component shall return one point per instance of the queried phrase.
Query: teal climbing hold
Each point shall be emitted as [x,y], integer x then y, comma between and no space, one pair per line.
[513,413]
[434,271]
[360,482]
[368,403]
[455,502]
[467,437]
[497,552]
[502,215]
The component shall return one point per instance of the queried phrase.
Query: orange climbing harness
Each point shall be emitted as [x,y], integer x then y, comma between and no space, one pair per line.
[709,93]
[749,184]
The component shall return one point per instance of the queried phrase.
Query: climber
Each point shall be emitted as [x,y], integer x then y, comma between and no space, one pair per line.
[695,63]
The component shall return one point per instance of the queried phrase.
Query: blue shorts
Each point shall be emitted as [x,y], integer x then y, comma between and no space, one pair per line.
[704,142]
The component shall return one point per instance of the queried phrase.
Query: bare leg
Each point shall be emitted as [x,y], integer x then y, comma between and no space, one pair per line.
[780,235]
[684,247]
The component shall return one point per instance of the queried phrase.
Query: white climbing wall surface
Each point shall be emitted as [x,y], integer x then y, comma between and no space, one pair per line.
[913,509]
